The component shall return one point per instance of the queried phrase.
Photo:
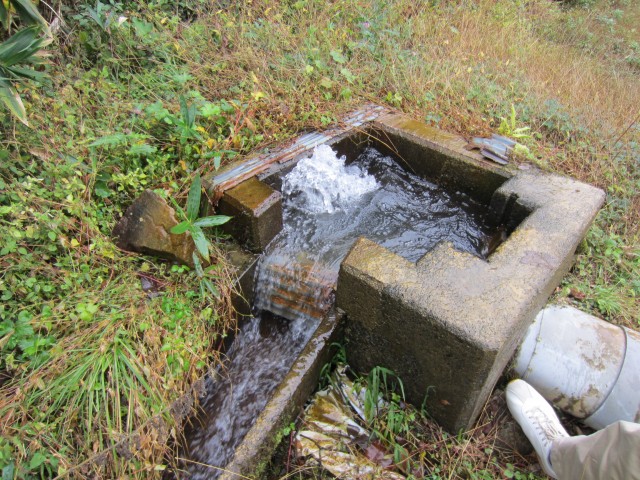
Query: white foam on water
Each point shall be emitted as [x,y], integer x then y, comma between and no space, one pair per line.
[323,183]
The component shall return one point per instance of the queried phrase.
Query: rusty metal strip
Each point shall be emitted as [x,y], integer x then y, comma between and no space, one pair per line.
[251,167]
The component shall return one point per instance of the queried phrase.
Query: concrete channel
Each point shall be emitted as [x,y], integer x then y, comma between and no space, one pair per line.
[448,324]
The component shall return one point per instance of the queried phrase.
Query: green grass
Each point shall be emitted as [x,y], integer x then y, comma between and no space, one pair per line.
[180,88]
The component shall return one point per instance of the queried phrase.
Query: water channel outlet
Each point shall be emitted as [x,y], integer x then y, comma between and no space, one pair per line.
[390,236]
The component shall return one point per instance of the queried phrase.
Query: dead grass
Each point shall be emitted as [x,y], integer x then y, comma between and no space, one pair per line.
[447,50]
[568,71]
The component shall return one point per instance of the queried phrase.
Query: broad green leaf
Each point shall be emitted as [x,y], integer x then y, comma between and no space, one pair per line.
[210,110]
[188,112]
[118,139]
[346,73]
[110,140]
[142,28]
[13,102]
[8,471]
[177,207]
[182,78]
[191,115]
[22,47]
[28,12]
[181,227]
[338,57]
[184,109]
[193,199]
[212,221]
[326,82]
[202,244]
[4,15]
[158,111]
[141,149]
[20,73]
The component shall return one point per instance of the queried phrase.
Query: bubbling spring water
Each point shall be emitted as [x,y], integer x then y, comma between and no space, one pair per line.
[327,206]
[323,183]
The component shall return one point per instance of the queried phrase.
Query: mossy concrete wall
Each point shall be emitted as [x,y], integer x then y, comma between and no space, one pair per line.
[449,324]
[256,209]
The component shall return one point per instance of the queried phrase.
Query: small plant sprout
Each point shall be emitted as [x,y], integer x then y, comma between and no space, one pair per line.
[508,127]
[194,226]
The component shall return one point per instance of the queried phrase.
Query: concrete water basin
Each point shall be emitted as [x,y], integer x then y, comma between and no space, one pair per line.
[448,323]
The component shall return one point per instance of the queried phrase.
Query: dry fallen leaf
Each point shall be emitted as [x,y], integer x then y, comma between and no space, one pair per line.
[577,294]
[378,454]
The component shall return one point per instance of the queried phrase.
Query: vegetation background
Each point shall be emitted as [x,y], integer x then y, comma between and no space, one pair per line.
[134,95]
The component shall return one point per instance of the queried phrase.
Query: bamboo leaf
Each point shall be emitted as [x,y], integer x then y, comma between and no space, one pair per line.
[177,207]
[191,115]
[21,47]
[193,200]
[13,102]
[4,15]
[198,264]
[212,221]
[212,288]
[28,12]
[19,73]
[188,112]
[202,244]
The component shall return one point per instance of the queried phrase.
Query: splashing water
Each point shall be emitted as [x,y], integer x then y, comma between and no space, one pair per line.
[328,205]
[323,183]
[260,357]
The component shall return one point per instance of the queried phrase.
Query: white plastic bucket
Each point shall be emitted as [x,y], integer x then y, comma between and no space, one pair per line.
[585,366]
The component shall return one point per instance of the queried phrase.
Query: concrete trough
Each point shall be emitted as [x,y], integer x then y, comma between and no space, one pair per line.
[447,324]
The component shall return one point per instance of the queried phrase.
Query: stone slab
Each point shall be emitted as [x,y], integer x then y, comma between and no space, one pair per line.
[145,228]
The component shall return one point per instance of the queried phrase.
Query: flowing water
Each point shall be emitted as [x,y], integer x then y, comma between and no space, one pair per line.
[260,357]
[327,206]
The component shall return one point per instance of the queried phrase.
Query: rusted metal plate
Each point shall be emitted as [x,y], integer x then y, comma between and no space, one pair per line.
[299,289]
[239,172]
